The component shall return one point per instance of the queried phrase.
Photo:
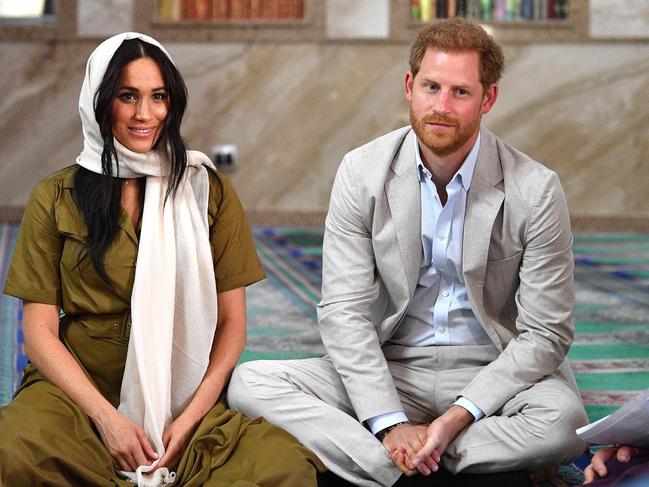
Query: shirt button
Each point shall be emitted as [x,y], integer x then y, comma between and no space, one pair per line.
[445,294]
[441,236]
[442,330]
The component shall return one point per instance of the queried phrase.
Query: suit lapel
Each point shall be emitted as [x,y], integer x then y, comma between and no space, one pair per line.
[484,201]
[403,194]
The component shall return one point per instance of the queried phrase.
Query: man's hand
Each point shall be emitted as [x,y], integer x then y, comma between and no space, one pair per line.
[597,468]
[438,435]
[403,442]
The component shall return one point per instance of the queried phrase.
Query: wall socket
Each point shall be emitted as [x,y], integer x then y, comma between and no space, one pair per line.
[225,157]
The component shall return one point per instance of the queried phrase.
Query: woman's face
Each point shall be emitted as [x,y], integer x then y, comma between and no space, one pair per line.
[141,106]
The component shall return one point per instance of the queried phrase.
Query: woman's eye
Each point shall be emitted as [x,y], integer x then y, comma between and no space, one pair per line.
[127,97]
[160,96]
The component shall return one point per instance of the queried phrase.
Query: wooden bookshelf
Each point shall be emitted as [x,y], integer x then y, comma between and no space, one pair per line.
[574,27]
[242,27]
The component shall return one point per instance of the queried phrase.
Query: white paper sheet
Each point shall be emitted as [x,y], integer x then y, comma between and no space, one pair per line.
[629,425]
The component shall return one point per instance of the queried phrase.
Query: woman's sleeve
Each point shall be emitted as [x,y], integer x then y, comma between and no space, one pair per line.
[34,273]
[236,263]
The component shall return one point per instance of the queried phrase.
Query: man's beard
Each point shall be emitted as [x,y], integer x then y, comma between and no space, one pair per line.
[443,143]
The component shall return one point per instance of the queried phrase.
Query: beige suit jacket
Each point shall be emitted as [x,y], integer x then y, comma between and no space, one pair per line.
[517,265]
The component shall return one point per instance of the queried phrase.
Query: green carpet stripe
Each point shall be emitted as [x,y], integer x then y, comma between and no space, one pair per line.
[610,237]
[585,249]
[628,381]
[608,351]
[590,327]
[622,260]
[598,411]
[252,355]
[636,273]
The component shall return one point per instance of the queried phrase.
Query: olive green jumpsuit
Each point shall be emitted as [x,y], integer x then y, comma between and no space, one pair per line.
[45,438]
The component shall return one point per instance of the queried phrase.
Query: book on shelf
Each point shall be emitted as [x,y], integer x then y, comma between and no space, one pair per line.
[428,10]
[451,8]
[239,9]
[527,9]
[169,10]
[499,12]
[203,9]
[489,10]
[461,10]
[560,10]
[220,9]
[179,10]
[441,11]
[513,10]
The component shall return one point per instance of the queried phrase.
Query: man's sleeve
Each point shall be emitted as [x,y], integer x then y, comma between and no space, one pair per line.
[353,302]
[544,303]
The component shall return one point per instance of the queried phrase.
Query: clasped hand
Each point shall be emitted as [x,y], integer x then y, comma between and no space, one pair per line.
[126,442]
[130,447]
[418,448]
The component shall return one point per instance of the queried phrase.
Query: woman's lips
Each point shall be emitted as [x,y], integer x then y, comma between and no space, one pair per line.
[142,131]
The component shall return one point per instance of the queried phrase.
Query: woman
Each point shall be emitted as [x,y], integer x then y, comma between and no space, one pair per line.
[101,400]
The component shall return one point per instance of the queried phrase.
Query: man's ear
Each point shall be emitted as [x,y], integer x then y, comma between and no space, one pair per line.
[489,98]
[408,82]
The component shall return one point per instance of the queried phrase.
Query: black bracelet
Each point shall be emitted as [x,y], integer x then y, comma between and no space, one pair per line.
[384,432]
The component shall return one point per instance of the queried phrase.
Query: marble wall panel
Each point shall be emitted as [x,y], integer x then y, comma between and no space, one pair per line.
[582,110]
[40,130]
[294,110]
[358,19]
[104,18]
[619,18]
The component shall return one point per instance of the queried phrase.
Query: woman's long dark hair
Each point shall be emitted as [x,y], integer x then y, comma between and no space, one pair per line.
[98,196]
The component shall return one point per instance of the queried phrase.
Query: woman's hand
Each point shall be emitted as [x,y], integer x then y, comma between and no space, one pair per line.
[175,439]
[597,468]
[126,442]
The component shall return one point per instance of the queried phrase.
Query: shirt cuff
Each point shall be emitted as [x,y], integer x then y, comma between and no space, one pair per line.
[378,423]
[469,406]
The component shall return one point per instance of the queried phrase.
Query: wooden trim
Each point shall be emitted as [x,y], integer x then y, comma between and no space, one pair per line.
[265,218]
[610,223]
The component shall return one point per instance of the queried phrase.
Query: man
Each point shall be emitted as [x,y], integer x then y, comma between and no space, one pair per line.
[446,298]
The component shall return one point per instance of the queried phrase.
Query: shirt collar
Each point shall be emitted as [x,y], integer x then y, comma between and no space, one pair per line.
[464,173]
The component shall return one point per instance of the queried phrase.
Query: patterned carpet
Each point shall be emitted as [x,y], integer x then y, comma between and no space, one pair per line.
[610,355]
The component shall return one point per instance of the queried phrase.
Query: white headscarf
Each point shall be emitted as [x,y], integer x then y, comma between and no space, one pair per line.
[173,304]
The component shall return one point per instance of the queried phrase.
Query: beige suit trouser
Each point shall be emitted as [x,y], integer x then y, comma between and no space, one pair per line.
[534,429]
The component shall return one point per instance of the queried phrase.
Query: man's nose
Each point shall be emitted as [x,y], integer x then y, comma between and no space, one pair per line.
[442,102]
